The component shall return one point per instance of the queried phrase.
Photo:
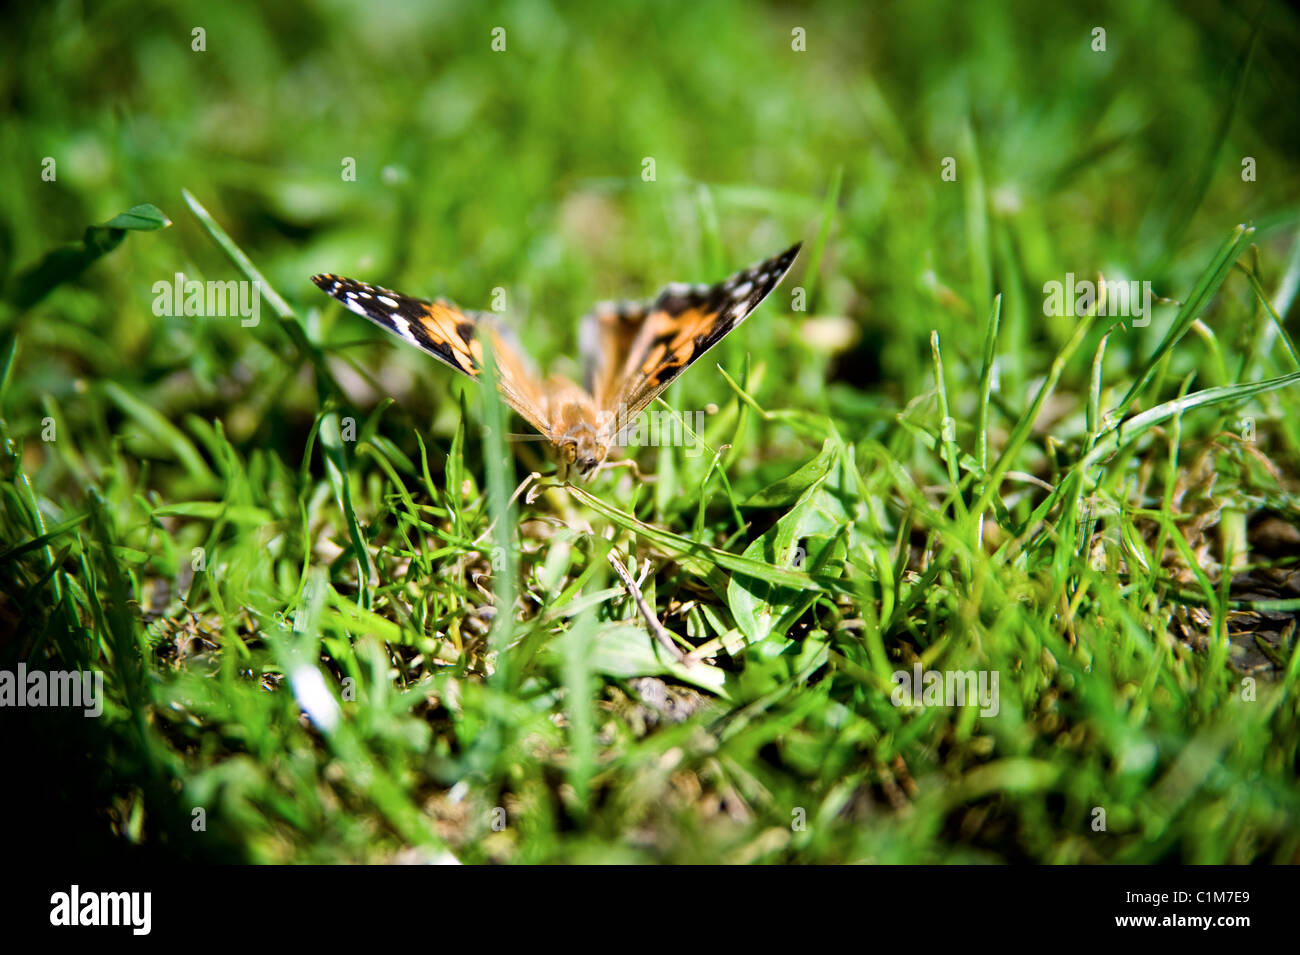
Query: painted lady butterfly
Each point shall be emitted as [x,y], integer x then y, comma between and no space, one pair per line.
[631,351]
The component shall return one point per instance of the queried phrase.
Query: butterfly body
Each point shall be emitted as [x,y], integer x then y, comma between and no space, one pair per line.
[632,351]
[577,431]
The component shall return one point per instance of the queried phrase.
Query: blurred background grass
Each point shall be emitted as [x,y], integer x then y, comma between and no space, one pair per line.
[478,169]
[522,169]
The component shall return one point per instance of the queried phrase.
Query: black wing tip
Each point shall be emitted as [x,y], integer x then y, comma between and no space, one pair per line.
[324,280]
[778,265]
[780,262]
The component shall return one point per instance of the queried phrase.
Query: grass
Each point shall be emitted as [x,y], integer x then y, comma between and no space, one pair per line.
[330,631]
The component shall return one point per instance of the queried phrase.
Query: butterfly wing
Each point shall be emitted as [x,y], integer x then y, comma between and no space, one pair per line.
[450,334]
[605,340]
[673,331]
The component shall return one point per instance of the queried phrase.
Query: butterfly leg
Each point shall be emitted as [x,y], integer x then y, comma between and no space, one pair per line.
[630,464]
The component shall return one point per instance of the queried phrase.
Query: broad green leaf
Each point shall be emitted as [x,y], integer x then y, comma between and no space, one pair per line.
[142,218]
[786,491]
[627,650]
[62,265]
[811,536]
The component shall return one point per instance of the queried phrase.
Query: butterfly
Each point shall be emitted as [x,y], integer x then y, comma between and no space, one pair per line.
[631,351]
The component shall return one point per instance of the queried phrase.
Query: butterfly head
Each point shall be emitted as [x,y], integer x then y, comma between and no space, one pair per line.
[580,451]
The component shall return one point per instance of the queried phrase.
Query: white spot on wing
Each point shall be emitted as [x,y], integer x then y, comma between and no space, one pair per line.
[403,328]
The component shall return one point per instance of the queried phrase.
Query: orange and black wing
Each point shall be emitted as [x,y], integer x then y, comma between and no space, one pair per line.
[605,339]
[450,334]
[659,341]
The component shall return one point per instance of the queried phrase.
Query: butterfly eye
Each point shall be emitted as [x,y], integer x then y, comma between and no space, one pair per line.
[570,451]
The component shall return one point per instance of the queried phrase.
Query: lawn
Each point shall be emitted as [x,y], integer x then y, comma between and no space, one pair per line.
[961,562]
